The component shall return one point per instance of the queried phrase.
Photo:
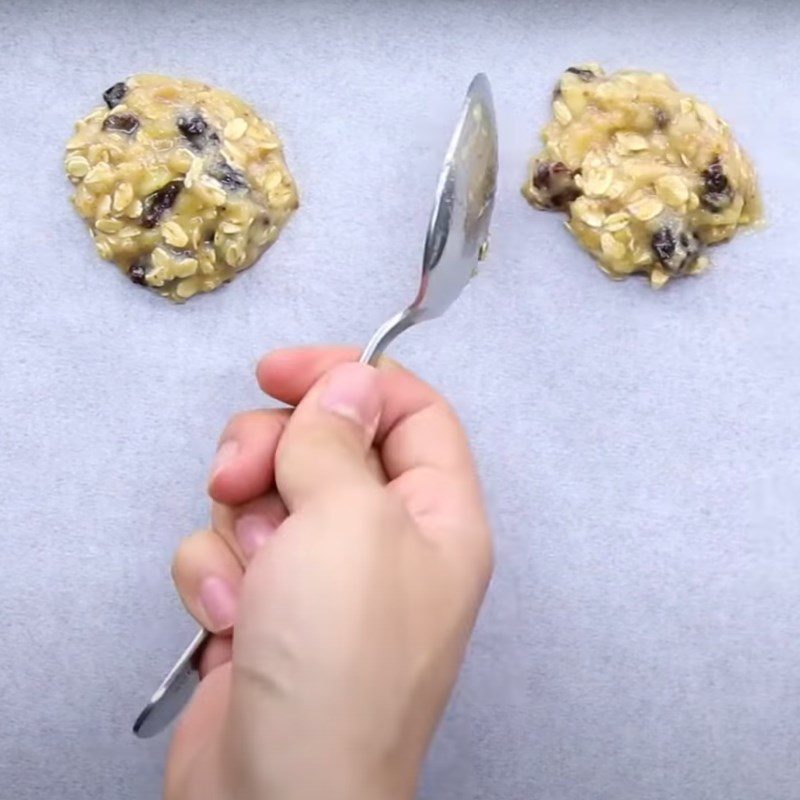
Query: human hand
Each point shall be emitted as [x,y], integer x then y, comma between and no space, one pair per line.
[350,549]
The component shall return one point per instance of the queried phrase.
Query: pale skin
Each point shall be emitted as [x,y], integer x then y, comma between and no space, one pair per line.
[350,552]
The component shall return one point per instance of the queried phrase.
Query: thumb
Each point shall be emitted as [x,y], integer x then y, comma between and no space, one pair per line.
[327,438]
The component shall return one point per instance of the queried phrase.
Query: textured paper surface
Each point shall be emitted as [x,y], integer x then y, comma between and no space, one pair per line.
[640,450]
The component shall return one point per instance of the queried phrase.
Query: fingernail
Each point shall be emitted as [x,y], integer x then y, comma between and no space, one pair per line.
[352,392]
[226,452]
[219,602]
[251,531]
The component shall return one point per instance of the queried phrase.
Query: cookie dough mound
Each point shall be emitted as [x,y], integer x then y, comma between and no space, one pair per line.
[182,185]
[648,175]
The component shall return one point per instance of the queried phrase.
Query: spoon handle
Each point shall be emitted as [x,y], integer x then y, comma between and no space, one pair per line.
[385,335]
[174,692]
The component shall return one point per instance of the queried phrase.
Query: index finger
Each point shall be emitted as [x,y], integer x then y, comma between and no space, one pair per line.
[418,428]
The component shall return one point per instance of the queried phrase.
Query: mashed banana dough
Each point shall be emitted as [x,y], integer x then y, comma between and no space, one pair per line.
[182,185]
[648,175]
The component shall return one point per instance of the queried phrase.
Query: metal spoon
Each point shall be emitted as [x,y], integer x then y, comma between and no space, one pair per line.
[457,238]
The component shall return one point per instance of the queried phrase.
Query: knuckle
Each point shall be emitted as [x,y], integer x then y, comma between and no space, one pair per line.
[184,555]
[248,421]
[239,421]
[449,413]
[177,567]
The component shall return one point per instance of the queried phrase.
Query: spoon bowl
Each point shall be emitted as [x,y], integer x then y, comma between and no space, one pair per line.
[458,231]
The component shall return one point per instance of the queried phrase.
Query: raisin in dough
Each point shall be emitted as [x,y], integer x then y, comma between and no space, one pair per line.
[648,175]
[182,185]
